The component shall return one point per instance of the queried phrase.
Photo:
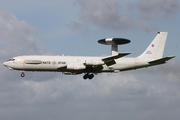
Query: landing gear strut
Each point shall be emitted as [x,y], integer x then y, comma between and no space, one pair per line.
[90,76]
[22,74]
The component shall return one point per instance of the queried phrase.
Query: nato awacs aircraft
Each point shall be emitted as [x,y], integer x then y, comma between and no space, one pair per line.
[116,62]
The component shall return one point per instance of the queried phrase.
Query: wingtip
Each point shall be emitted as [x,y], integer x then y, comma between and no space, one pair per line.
[172,56]
[163,33]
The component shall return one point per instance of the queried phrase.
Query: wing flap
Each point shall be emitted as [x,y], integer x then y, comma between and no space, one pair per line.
[161,61]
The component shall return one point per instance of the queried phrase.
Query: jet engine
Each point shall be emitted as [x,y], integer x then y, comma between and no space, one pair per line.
[92,62]
[76,67]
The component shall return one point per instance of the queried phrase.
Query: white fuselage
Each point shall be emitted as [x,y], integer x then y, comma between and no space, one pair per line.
[153,55]
[73,64]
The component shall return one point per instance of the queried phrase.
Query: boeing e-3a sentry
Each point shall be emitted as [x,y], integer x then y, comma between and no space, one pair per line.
[116,62]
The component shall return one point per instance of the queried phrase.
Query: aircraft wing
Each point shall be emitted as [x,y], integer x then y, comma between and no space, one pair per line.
[110,59]
[161,61]
[61,66]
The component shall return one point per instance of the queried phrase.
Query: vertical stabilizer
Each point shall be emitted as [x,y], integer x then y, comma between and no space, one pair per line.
[156,49]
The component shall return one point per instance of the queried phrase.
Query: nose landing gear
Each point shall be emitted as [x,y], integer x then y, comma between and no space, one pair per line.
[22,74]
[90,76]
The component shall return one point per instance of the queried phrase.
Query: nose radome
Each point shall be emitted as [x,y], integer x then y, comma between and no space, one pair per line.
[4,63]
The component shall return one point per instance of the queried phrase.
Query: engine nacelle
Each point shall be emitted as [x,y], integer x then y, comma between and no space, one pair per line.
[94,62]
[76,67]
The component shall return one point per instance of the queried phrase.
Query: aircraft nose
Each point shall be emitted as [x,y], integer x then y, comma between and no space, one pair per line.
[4,63]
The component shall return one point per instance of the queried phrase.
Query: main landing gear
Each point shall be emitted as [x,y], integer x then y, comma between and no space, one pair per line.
[90,76]
[22,74]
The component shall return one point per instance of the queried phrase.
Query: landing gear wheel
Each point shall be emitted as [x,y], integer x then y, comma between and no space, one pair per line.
[85,76]
[90,76]
[22,74]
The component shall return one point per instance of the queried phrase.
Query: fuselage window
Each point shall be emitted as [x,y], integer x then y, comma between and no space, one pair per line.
[11,59]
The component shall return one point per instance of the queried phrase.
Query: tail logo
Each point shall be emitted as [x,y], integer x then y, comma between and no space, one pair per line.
[152,45]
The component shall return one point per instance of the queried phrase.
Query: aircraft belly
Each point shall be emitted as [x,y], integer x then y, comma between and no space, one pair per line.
[133,65]
[125,64]
[39,67]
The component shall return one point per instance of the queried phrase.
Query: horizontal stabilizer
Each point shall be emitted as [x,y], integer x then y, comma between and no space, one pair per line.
[161,61]
[110,59]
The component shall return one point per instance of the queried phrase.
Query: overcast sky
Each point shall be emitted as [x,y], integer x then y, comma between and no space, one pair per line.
[73,27]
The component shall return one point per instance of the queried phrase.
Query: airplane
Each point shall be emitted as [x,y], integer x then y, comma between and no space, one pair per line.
[116,62]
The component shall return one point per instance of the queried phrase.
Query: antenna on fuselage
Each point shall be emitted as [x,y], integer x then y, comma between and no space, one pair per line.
[114,42]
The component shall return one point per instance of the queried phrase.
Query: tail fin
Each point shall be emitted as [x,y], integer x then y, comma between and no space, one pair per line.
[156,49]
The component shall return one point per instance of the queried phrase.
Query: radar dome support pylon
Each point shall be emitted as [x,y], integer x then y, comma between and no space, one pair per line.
[114,42]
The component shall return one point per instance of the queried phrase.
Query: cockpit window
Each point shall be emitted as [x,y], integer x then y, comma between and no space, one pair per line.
[11,59]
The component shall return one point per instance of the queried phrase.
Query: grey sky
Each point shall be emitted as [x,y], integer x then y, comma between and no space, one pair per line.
[42,27]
